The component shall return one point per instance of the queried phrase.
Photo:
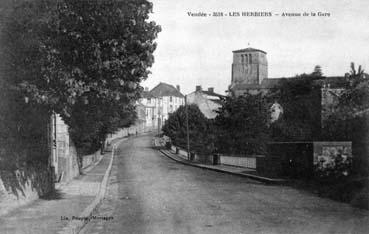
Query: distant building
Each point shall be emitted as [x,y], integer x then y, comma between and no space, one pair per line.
[149,102]
[249,70]
[207,101]
[250,76]
[159,102]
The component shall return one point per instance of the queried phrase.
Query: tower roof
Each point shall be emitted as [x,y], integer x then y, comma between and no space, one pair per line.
[249,49]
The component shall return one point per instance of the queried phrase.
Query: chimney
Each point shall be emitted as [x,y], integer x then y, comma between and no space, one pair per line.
[146,88]
[198,88]
[211,90]
[178,88]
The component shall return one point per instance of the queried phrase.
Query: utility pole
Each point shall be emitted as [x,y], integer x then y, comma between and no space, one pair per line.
[53,160]
[188,135]
[159,115]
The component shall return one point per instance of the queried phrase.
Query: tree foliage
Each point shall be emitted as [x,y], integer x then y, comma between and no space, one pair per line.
[348,120]
[82,59]
[350,113]
[242,125]
[355,98]
[300,99]
[201,135]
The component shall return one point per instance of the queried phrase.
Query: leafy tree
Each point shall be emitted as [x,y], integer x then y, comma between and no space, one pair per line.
[300,120]
[355,98]
[349,119]
[201,131]
[242,125]
[82,59]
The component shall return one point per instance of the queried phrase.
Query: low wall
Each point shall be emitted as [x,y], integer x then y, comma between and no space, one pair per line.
[181,153]
[298,159]
[88,160]
[328,150]
[249,162]
[22,186]
[124,132]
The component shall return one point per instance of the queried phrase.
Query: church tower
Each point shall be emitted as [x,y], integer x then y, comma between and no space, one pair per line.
[249,68]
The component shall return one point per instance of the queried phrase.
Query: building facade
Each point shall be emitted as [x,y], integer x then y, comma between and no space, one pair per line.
[207,100]
[250,76]
[159,102]
[249,69]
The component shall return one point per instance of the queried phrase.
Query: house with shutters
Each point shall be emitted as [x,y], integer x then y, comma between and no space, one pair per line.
[207,100]
[159,102]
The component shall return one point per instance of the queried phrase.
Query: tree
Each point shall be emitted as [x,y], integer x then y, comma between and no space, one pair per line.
[201,129]
[82,59]
[317,71]
[355,98]
[299,98]
[242,125]
[349,119]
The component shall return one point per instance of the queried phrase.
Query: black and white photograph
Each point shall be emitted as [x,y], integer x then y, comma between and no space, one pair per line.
[184,116]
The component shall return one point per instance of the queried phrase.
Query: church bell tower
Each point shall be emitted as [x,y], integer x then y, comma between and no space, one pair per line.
[249,67]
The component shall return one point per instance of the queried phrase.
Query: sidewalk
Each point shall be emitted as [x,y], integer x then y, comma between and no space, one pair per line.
[52,213]
[233,170]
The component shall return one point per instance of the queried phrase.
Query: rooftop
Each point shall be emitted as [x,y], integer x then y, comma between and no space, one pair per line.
[164,89]
[270,83]
[146,94]
[249,49]
[212,93]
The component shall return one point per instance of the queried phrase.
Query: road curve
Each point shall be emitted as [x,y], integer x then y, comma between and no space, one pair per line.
[149,193]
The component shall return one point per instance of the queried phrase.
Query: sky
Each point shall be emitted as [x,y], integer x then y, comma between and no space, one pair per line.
[198,50]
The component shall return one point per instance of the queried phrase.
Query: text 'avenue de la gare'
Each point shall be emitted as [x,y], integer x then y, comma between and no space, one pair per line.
[257,14]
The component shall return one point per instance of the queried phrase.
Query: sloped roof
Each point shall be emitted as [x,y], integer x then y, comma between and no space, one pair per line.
[218,101]
[212,93]
[333,81]
[270,83]
[249,49]
[164,89]
[146,94]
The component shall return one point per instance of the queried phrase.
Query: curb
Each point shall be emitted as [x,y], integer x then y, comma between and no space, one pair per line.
[250,176]
[75,226]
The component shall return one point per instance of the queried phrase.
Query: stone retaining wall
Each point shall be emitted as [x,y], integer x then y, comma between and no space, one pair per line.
[24,185]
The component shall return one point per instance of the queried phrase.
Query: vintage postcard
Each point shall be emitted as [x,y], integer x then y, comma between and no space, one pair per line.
[184,116]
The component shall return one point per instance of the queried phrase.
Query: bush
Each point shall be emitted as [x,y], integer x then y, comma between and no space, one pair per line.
[300,99]
[242,125]
[201,136]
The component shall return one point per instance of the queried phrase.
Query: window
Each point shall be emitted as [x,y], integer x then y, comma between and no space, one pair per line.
[242,59]
[250,58]
[148,100]
[170,99]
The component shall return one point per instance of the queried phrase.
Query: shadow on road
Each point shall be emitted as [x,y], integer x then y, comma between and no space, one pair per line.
[54,195]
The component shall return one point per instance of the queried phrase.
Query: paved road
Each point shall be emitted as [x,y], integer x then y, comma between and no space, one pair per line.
[149,193]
